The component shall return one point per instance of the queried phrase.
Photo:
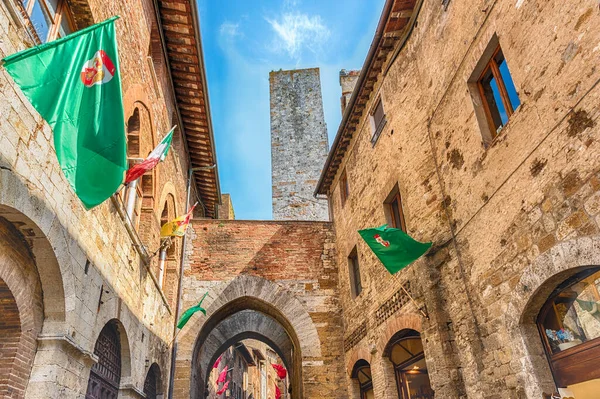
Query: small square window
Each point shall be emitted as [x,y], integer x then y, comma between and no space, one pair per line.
[498,97]
[354,269]
[344,187]
[378,120]
[393,205]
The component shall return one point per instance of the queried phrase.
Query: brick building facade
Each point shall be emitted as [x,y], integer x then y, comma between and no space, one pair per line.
[473,125]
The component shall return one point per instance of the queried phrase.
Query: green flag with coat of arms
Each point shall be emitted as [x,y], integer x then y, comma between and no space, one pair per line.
[75,84]
[394,248]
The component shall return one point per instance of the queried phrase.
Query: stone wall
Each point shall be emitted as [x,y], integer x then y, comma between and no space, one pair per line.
[281,275]
[504,216]
[298,144]
[90,270]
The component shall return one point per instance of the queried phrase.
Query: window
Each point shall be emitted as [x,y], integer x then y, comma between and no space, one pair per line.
[344,187]
[569,324]
[355,284]
[498,94]
[405,351]
[394,210]
[378,120]
[51,19]
[362,373]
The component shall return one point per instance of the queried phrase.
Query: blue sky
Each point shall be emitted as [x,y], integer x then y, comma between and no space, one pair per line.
[243,41]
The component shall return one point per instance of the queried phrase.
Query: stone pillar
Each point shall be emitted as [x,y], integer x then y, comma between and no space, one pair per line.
[298,144]
[384,379]
[61,368]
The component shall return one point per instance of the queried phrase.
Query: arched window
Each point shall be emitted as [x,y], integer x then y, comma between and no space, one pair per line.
[362,373]
[105,375]
[132,192]
[405,351]
[569,324]
[152,382]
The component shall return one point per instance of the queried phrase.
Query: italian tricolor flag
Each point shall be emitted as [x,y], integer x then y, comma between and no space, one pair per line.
[157,155]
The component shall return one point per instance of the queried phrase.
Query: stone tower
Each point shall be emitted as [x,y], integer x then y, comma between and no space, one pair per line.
[348,80]
[298,144]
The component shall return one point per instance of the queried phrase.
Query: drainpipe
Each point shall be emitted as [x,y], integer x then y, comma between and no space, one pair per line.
[180,289]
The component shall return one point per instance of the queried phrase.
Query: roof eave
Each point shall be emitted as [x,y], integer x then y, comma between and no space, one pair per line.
[321,188]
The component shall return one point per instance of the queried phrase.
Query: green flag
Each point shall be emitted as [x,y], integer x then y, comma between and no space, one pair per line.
[394,248]
[75,85]
[188,313]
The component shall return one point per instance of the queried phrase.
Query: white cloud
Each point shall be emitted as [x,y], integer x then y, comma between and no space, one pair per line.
[229,29]
[298,31]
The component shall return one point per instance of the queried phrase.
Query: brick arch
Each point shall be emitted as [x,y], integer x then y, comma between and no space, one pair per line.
[21,311]
[397,323]
[45,239]
[537,282]
[355,354]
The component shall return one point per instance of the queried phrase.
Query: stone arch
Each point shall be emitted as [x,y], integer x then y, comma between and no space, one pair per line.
[153,384]
[256,294]
[125,348]
[537,282]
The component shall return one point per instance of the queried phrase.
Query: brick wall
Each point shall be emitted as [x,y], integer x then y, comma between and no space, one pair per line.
[283,269]
[511,205]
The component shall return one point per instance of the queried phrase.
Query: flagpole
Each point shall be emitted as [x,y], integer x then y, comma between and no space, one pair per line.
[425,315]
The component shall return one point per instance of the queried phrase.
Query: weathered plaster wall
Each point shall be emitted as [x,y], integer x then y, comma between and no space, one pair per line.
[519,202]
[298,144]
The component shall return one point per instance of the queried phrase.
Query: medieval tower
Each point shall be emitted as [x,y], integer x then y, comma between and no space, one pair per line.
[298,144]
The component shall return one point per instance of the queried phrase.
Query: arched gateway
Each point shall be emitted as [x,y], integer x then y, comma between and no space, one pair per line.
[275,282]
[251,307]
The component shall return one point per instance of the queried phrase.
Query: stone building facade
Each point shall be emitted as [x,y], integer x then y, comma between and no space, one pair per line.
[473,125]
[502,178]
[298,144]
[85,306]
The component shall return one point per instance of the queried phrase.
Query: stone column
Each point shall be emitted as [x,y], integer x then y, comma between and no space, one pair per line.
[61,368]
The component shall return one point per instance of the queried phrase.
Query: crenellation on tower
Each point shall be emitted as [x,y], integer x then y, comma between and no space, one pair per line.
[298,144]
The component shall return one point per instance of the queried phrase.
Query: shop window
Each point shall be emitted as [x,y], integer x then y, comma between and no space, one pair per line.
[569,324]
[344,187]
[362,373]
[493,90]
[405,351]
[354,269]
[51,19]
[393,204]
[378,120]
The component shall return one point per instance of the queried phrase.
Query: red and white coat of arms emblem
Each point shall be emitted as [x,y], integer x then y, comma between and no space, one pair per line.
[99,70]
